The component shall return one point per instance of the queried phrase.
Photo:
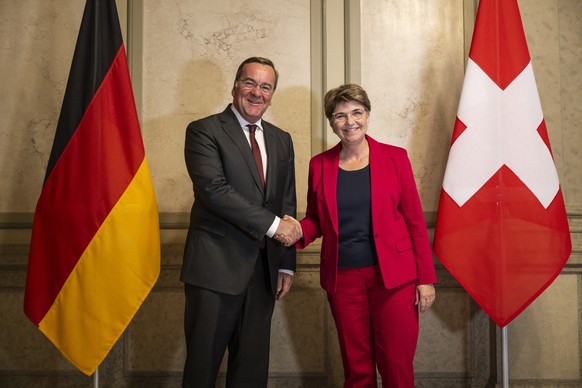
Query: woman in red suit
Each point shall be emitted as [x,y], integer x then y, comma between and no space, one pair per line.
[376,260]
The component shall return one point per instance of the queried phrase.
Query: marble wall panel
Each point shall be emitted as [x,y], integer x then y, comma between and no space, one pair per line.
[24,348]
[190,56]
[575,223]
[444,344]
[37,40]
[541,25]
[298,333]
[155,339]
[412,67]
[544,339]
[570,35]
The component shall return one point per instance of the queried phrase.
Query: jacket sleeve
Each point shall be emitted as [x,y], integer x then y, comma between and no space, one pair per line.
[310,224]
[289,206]
[411,209]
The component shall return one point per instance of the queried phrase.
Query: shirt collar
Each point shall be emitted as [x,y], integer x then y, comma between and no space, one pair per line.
[243,123]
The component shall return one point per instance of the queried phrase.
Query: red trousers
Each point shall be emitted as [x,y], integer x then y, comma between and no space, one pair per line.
[376,327]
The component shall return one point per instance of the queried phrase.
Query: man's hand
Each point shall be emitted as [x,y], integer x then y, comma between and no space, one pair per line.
[283,284]
[289,231]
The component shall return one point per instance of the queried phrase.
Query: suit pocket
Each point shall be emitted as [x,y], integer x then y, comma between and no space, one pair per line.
[405,262]
[403,244]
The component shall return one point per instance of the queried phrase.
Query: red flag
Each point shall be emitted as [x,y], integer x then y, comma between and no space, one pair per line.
[95,249]
[501,226]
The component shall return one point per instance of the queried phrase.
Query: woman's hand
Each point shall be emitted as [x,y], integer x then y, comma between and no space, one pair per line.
[425,296]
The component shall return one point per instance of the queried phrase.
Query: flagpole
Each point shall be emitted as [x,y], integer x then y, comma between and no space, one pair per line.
[96,378]
[504,357]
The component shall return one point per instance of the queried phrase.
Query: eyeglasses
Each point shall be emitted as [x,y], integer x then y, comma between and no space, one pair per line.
[251,85]
[342,117]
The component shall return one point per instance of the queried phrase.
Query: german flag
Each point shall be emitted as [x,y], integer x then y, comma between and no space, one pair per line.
[95,249]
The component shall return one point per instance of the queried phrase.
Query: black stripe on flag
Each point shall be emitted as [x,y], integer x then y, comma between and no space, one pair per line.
[94,54]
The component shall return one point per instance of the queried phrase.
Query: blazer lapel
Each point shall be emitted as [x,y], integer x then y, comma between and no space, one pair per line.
[377,172]
[330,170]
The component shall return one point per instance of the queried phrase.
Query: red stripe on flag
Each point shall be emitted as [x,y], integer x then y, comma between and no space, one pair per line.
[90,176]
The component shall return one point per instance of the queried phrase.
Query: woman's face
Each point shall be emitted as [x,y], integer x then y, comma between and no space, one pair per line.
[349,122]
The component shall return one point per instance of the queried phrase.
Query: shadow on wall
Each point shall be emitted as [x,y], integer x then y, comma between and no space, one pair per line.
[201,90]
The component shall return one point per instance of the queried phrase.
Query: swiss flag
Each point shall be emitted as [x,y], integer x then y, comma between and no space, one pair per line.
[501,227]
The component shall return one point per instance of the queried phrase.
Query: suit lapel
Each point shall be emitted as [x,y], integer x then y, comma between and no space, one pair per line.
[231,127]
[270,145]
[377,172]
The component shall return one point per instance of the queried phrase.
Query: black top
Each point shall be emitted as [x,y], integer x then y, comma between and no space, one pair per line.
[356,243]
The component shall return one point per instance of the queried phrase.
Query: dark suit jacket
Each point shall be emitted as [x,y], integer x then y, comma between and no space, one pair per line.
[398,225]
[231,212]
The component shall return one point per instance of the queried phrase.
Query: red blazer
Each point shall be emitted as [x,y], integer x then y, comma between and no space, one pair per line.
[398,224]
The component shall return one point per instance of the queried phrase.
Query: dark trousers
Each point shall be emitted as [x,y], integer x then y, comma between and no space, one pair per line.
[214,321]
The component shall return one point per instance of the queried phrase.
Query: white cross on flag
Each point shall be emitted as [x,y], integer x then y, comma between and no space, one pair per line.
[501,228]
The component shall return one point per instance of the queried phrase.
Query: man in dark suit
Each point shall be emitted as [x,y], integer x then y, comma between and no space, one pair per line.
[234,268]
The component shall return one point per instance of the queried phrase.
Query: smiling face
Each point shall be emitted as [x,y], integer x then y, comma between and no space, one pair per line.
[351,131]
[253,102]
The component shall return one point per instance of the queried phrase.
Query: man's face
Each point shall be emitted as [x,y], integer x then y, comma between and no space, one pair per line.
[253,102]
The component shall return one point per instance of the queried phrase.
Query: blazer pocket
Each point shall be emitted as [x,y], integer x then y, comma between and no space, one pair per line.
[403,244]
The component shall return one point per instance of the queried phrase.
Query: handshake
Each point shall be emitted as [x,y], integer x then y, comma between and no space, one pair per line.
[289,231]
